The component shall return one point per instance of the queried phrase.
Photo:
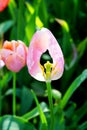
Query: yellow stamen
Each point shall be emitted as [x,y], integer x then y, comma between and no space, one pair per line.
[47,70]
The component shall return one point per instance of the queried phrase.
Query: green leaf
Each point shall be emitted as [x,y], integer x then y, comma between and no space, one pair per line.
[29,7]
[72,88]
[70,110]
[13,33]
[42,12]
[66,40]
[82,47]
[9,122]
[5,26]
[26,94]
[13,9]
[30,27]
[21,17]
[38,87]
[35,112]
[67,12]
[5,79]
[59,121]
[80,113]
[39,22]
[42,116]
[83,126]
[63,24]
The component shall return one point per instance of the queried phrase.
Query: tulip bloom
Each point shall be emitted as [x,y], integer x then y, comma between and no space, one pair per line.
[3,4]
[14,55]
[41,42]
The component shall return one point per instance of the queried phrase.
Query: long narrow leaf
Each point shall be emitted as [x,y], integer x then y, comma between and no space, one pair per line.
[81,112]
[83,126]
[42,116]
[5,26]
[35,112]
[73,87]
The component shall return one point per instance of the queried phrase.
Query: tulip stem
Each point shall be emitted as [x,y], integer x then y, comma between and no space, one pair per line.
[14,93]
[48,84]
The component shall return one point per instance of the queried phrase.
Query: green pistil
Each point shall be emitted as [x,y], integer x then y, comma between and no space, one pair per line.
[48,70]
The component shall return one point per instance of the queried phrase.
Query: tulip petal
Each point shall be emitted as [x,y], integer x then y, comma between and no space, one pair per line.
[1,62]
[5,53]
[14,62]
[42,41]
[22,50]
[3,4]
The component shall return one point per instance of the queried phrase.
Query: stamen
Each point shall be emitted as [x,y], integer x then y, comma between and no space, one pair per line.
[46,65]
[48,70]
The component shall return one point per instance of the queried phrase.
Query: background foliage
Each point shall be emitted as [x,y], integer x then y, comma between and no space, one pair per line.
[67,19]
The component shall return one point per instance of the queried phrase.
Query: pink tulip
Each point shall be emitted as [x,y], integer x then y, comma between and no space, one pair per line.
[14,55]
[42,41]
[3,4]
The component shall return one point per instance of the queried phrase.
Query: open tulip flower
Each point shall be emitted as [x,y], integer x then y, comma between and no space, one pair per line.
[43,41]
[14,55]
[3,4]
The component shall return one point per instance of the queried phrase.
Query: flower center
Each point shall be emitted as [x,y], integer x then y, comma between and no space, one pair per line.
[46,64]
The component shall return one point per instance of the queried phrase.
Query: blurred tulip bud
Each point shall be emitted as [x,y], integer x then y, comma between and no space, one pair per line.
[14,55]
[3,4]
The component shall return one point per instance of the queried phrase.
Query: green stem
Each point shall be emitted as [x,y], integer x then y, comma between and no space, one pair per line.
[14,93]
[48,84]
